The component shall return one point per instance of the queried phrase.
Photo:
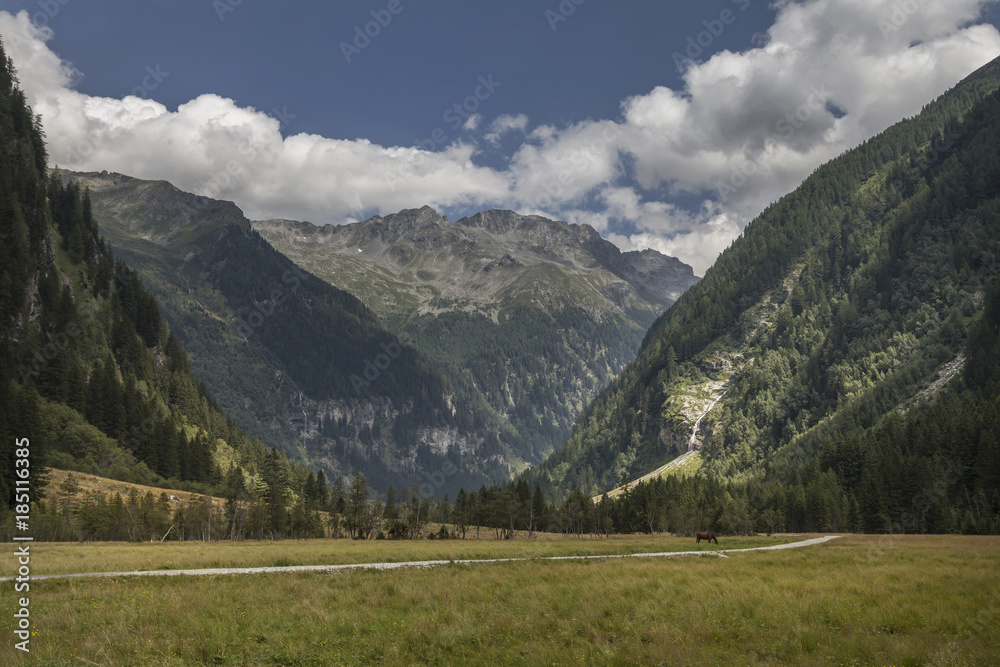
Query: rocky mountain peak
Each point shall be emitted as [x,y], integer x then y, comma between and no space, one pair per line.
[418,261]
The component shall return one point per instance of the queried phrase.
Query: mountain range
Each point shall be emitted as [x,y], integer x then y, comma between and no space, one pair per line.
[837,367]
[483,340]
[527,316]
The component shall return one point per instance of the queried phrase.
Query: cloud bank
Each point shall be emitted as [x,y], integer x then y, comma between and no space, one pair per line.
[745,129]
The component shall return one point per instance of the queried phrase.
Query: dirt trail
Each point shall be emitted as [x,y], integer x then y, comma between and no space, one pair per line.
[423,564]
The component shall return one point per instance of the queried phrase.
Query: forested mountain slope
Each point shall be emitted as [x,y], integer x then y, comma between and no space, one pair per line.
[841,311]
[528,317]
[90,374]
[304,366]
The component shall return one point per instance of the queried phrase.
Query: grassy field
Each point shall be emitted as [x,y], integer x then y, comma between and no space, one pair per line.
[64,557]
[855,601]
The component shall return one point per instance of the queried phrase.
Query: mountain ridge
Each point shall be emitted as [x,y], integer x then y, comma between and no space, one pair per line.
[220,284]
[488,240]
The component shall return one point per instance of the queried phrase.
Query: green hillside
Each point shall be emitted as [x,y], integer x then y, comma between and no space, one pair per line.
[90,374]
[836,330]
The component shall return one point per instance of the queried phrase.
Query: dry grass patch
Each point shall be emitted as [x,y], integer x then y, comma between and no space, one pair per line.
[91,486]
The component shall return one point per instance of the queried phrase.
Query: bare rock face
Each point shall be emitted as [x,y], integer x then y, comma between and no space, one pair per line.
[673,441]
[659,278]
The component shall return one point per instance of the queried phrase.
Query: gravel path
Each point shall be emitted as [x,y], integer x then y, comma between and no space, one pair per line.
[418,564]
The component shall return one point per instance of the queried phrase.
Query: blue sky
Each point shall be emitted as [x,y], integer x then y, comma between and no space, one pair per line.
[273,55]
[582,113]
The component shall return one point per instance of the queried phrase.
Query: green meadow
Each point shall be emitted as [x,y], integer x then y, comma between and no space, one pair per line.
[69,557]
[858,600]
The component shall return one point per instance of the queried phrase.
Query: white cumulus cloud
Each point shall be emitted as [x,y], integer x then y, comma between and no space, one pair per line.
[504,124]
[744,129]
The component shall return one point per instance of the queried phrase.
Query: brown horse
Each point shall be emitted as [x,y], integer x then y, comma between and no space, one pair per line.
[705,536]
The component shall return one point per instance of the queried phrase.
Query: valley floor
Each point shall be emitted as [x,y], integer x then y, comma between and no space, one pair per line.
[422,564]
[51,558]
[903,600]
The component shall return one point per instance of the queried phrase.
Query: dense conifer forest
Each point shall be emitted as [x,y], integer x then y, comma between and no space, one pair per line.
[89,371]
[840,320]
